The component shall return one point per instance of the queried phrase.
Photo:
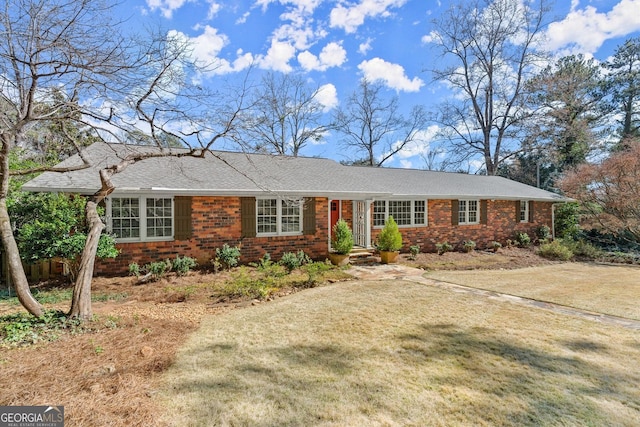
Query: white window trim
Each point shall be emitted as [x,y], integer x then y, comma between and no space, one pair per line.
[142,198]
[526,211]
[413,212]
[466,212]
[279,231]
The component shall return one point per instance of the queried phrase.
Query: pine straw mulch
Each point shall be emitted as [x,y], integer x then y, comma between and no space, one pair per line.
[107,377]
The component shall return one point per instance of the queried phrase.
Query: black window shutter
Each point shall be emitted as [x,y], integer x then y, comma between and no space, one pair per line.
[309,216]
[517,211]
[248,216]
[182,217]
[455,207]
[483,211]
[531,211]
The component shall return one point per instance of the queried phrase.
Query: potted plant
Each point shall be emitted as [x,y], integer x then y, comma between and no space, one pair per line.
[389,241]
[341,243]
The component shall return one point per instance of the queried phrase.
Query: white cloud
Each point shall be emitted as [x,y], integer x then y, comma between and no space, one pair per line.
[585,30]
[214,8]
[327,96]
[166,7]
[365,47]
[278,57]
[351,17]
[206,49]
[332,55]
[393,75]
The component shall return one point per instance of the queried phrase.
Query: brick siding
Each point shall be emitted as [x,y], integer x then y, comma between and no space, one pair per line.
[216,220]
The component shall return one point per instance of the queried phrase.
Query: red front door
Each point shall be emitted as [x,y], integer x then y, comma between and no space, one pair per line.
[335,212]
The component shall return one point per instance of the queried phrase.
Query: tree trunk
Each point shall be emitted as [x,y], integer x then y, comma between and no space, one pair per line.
[81,303]
[16,270]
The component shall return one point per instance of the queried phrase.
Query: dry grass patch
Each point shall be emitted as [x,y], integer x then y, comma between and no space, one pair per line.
[607,289]
[397,353]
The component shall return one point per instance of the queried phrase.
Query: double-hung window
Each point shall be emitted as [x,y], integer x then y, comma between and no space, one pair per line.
[140,218]
[406,213]
[524,210]
[468,212]
[278,216]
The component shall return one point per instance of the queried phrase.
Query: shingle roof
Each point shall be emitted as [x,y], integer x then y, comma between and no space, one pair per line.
[234,173]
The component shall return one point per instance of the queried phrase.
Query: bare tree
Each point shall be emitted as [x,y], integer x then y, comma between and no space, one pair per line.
[488,49]
[374,127]
[69,56]
[286,115]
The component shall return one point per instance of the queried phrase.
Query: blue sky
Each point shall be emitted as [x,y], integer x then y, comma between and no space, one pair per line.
[335,43]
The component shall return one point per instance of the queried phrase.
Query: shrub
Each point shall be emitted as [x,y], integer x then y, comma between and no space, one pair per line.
[523,240]
[583,248]
[290,261]
[183,265]
[228,256]
[444,247]
[555,250]
[415,250]
[158,269]
[543,233]
[468,245]
[389,238]
[134,269]
[313,270]
[567,220]
[341,237]
[495,245]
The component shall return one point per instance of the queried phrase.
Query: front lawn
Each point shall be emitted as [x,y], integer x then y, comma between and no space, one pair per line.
[607,289]
[399,353]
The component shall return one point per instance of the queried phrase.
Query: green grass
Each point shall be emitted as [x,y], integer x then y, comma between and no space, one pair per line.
[398,353]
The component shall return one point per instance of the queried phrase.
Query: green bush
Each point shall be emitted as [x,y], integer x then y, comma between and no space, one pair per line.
[290,261]
[523,240]
[341,237]
[566,222]
[444,247]
[468,246]
[414,250]
[183,265]
[134,269]
[543,233]
[228,256]
[389,238]
[495,245]
[583,248]
[555,250]
[158,269]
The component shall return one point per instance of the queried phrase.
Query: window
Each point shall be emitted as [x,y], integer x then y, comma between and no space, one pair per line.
[524,211]
[278,216]
[467,212]
[140,218]
[379,213]
[406,213]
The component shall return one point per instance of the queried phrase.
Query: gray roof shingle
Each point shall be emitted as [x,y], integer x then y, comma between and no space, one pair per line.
[235,173]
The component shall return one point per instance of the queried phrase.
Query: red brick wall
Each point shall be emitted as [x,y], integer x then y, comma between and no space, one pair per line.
[501,225]
[215,221]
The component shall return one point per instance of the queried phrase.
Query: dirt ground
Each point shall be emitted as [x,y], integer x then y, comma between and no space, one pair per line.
[107,376]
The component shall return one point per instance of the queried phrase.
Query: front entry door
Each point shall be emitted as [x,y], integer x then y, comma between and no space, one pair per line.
[359,224]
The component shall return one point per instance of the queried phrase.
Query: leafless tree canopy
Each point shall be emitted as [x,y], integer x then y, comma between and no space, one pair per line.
[373,127]
[488,49]
[65,63]
[285,116]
